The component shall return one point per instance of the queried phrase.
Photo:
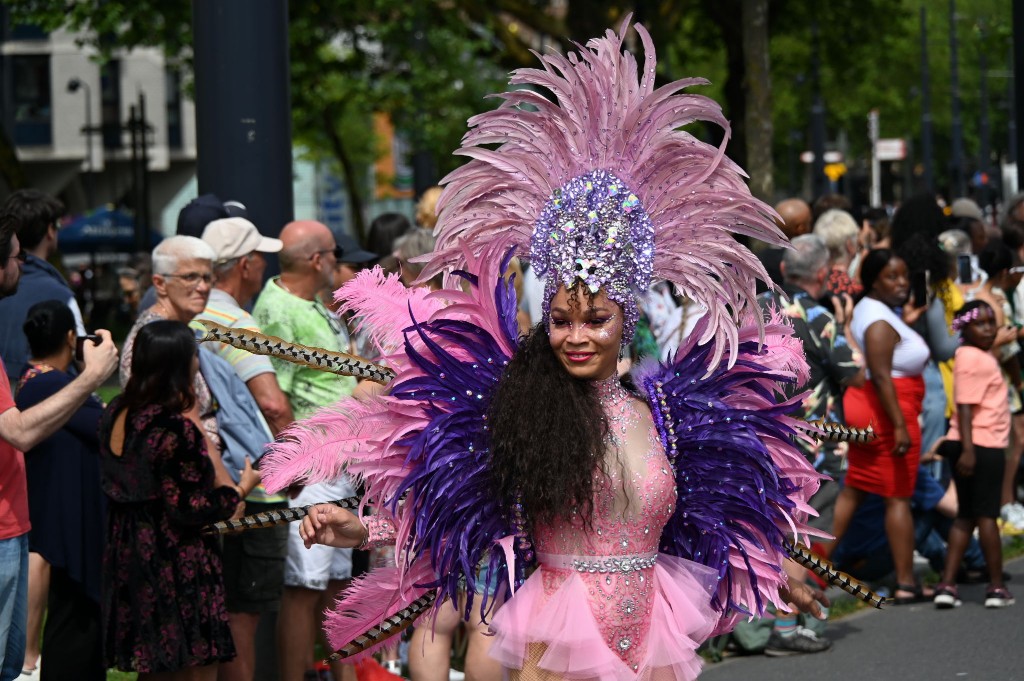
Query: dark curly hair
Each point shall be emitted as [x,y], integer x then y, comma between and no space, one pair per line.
[922,252]
[919,214]
[548,435]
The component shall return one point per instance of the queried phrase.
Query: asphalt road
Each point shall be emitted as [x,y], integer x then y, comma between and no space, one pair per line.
[906,643]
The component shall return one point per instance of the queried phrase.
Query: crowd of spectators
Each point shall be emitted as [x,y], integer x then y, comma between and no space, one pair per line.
[880,304]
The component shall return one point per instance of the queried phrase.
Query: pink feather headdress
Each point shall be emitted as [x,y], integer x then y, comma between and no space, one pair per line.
[602,187]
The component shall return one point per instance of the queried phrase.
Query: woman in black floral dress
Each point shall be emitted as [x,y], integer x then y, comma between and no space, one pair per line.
[163,594]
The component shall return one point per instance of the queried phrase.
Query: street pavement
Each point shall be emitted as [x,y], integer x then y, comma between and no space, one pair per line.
[906,643]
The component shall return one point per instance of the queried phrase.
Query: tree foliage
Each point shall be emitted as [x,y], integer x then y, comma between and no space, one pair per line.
[428,64]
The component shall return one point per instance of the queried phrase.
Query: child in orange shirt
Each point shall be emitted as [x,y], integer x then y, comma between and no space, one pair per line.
[976,446]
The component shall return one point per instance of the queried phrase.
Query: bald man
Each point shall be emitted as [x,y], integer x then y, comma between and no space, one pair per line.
[794,219]
[289,308]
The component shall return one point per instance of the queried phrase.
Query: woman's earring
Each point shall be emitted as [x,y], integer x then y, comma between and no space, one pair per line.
[622,352]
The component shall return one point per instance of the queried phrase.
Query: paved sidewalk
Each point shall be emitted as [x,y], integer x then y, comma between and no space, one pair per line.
[906,643]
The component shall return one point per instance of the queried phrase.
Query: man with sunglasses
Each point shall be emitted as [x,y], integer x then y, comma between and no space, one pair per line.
[35,216]
[290,307]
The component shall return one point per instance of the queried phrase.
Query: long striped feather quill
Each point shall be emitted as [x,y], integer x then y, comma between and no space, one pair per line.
[270,518]
[316,358]
[395,624]
[827,571]
[836,432]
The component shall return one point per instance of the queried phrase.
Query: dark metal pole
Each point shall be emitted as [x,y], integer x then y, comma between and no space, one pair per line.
[139,219]
[1018,83]
[89,177]
[956,179]
[147,223]
[819,184]
[243,107]
[926,109]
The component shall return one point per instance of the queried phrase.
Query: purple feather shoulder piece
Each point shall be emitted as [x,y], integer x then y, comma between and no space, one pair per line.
[742,482]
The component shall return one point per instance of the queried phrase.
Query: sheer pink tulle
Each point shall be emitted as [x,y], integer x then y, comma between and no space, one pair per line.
[681,619]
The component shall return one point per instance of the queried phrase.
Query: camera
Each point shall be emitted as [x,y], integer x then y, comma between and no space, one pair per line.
[80,345]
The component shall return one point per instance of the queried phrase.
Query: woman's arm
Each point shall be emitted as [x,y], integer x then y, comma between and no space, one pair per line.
[184,471]
[941,341]
[879,344]
[332,526]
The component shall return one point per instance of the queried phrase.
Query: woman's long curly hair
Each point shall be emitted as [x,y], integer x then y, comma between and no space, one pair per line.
[548,435]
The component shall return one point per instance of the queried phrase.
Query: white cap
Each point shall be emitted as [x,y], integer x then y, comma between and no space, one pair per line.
[235,237]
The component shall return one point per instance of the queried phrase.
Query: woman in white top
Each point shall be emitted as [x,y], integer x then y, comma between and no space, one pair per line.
[890,402]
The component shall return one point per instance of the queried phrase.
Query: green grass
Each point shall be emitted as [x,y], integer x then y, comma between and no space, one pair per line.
[108,392]
[114,675]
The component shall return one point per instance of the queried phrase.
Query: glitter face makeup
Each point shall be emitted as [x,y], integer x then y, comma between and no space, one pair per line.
[586,333]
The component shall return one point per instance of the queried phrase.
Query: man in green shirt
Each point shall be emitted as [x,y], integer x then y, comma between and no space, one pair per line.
[289,308]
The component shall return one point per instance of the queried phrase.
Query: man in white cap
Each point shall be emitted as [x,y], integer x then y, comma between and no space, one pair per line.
[254,560]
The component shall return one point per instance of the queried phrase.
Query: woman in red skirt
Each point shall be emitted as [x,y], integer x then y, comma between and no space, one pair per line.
[890,402]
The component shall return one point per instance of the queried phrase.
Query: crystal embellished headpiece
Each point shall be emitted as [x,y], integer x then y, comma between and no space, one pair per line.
[600,185]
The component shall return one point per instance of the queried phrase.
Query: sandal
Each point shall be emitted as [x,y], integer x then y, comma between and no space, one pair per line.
[917,591]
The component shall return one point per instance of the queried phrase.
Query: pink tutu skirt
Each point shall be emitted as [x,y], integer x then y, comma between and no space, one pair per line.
[557,636]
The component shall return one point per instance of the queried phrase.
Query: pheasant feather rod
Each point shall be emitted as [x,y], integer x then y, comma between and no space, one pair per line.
[270,518]
[827,571]
[316,358]
[836,432]
[395,624]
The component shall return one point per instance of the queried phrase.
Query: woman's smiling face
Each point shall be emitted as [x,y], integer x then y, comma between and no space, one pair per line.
[586,333]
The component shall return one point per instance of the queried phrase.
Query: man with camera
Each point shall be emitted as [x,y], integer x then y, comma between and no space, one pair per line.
[20,431]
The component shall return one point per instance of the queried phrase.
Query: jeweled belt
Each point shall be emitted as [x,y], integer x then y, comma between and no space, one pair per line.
[599,564]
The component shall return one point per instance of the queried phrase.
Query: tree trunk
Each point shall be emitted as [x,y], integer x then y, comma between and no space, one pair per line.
[758,114]
[348,172]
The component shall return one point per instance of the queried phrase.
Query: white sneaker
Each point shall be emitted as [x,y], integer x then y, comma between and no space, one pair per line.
[1013,514]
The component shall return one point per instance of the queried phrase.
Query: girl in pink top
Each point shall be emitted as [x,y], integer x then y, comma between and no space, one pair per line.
[975,446]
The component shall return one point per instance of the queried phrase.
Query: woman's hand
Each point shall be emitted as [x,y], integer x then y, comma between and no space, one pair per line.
[250,478]
[965,464]
[1006,334]
[911,314]
[842,306]
[327,524]
[901,441]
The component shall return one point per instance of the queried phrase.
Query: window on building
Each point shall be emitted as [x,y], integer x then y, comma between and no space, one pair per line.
[172,81]
[31,100]
[27,32]
[110,104]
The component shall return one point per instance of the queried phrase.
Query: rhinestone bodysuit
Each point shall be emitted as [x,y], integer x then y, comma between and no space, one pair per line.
[615,556]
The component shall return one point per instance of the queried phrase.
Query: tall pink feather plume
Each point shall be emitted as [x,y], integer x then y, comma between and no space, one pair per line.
[381,306]
[608,116]
[372,598]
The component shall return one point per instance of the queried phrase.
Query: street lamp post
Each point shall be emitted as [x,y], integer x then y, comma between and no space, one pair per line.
[73,86]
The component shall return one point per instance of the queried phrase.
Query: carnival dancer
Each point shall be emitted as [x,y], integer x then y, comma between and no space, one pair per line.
[621,526]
